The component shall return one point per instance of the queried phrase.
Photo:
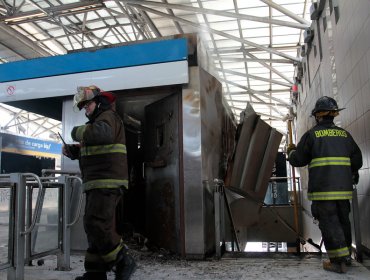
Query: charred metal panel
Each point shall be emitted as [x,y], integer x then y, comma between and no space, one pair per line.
[161,142]
[212,119]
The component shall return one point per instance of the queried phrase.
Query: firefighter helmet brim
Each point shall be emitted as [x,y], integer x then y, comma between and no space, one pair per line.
[326,104]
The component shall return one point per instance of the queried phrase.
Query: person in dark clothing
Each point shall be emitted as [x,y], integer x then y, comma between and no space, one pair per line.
[103,162]
[333,159]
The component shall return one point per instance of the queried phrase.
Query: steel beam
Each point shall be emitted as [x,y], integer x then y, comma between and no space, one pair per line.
[219,13]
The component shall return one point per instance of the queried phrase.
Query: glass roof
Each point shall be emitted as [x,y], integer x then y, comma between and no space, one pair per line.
[254,44]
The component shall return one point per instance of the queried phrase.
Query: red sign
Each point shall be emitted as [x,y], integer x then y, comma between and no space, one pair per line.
[10,90]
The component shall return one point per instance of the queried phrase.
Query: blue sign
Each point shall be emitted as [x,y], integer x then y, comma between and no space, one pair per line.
[110,58]
[29,146]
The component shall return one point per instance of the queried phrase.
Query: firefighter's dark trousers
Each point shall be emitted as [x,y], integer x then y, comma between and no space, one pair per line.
[104,242]
[335,226]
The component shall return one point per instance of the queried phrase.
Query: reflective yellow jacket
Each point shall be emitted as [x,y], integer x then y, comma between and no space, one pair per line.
[332,157]
[103,155]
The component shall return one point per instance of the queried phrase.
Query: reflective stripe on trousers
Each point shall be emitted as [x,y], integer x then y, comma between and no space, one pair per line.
[105,184]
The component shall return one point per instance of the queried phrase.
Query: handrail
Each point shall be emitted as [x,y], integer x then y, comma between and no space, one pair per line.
[38,202]
[79,208]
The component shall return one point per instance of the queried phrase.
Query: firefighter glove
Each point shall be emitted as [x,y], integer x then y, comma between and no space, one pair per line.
[291,147]
[355,178]
[71,150]
[78,132]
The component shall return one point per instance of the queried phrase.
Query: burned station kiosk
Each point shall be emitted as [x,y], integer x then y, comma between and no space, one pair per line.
[180,137]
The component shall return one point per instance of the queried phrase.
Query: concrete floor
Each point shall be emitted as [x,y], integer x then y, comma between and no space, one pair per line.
[231,266]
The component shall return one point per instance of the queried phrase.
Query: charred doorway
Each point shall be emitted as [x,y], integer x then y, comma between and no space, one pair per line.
[152,205]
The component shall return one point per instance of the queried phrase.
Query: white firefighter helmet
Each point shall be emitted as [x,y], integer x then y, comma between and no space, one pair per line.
[84,95]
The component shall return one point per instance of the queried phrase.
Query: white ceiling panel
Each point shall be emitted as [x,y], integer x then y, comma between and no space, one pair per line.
[254,43]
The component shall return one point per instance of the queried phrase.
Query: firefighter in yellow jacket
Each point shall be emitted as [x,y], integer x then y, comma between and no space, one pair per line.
[333,160]
[103,162]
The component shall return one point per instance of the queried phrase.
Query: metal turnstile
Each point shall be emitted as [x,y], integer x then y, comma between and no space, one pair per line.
[38,219]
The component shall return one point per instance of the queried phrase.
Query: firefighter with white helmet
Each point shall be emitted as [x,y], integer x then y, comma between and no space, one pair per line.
[333,160]
[103,162]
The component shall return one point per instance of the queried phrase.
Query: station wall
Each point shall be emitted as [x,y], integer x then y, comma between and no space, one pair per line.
[337,64]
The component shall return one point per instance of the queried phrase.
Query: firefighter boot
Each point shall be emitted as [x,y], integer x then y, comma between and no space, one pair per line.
[335,267]
[92,276]
[125,266]
[348,261]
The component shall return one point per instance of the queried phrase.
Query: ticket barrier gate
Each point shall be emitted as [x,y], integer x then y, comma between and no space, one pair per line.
[40,217]
[270,220]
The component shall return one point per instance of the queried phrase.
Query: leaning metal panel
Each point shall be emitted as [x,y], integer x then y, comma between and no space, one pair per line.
[267,164]
[246,199]
[248,125]
[254,156]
